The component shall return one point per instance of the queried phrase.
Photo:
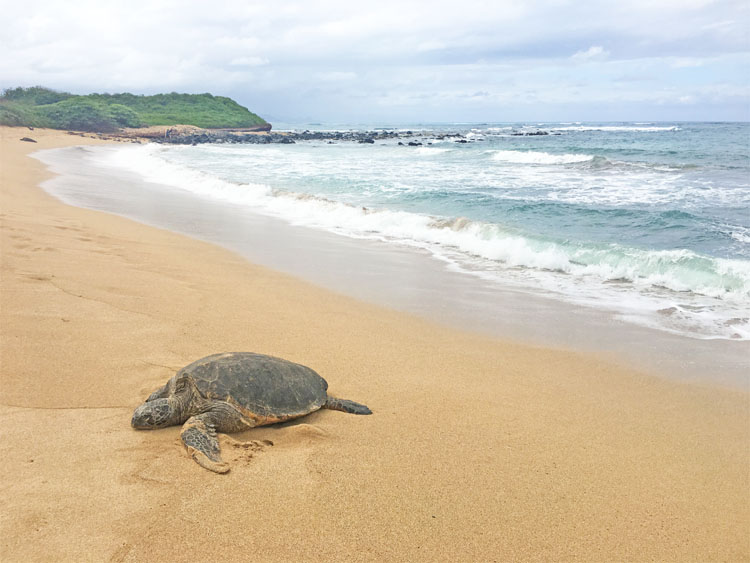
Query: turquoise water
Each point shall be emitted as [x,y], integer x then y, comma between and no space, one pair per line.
[650,221]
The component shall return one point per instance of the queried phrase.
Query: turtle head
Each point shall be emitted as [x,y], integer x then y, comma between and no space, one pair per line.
[157,413]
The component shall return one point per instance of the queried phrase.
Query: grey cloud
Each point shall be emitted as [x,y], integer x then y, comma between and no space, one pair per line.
[342,58]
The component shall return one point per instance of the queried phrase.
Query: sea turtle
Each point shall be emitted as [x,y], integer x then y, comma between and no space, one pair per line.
[234,392]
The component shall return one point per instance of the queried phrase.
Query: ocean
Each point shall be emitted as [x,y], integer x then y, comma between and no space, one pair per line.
[647,224]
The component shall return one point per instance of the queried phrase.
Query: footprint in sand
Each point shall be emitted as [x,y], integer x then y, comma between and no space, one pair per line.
[246,451]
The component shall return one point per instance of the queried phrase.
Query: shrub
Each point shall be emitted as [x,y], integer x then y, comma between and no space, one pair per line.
[123,116]
[42,107]
[79,114]
[36,95]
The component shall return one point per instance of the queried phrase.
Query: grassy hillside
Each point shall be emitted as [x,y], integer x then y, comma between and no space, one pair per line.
[42,107]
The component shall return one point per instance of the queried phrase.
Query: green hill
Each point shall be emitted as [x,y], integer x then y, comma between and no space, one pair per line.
[42,107]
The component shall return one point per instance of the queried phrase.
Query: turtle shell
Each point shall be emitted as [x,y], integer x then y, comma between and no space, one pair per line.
[264,388]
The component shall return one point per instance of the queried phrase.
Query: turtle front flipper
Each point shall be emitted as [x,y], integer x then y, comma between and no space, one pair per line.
[199,437]
[199,434]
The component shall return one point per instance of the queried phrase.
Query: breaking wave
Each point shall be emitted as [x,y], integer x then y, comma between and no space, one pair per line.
[695,282]
[617,128]
[535,157]
[430,151]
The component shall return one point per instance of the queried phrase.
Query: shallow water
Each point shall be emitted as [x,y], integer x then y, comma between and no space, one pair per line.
[648,222]
[407,277]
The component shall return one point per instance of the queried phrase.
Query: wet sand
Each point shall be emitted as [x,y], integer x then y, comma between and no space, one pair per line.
[478,449]
[397,277]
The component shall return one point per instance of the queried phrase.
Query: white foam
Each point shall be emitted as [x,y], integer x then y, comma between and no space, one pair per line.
[575,272]
[738,233]
[430,151]
[612,128]
[675,270]
[534,157]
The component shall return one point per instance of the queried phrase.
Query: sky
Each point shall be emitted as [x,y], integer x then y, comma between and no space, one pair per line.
[351,61]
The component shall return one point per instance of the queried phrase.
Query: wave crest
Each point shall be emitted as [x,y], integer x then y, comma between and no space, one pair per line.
[536,157]
[492,249]
[617,128]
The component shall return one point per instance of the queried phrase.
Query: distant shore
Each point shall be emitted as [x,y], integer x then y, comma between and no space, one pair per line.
[478,449]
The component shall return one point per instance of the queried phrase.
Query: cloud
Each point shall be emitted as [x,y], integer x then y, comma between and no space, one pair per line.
[685,62]
[420,58]
[336,76]
[249,61]
[593,53]
[431,45]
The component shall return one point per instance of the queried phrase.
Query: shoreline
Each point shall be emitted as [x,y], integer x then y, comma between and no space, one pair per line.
[398,277]
[478,448]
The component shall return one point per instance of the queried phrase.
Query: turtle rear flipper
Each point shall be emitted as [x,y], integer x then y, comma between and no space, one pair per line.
[345,405]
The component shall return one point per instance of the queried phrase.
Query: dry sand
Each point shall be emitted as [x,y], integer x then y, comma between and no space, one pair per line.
[477,450]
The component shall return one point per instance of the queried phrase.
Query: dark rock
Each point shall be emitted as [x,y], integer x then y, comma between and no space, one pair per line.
[330,137]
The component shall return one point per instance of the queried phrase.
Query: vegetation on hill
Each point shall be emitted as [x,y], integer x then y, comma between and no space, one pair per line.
[42,107]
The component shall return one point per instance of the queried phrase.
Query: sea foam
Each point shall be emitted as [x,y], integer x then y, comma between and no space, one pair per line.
[430,151]
[618,128]
[585,272]
[708,296]
[535,157]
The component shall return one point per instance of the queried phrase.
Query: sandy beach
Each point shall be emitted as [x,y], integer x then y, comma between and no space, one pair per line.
[478,449]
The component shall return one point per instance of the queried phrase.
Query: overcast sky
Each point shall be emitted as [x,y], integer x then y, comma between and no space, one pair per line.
[383,61]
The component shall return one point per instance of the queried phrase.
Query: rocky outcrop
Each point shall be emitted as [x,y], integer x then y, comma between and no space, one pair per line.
[262,135]
[195,136]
